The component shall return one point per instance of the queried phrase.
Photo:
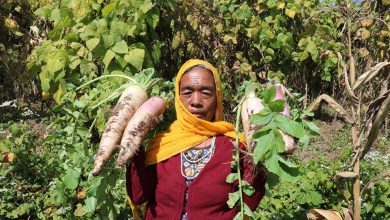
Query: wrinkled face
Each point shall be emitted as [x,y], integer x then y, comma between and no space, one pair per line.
[198,94]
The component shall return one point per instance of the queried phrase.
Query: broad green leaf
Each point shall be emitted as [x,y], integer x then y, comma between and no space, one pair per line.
[45,81]
[288,174]
[303,55]
[280,5]
[58,195]
[231,177]
[71,178]
[278,141]
[153,17]
[109,9]
[269,94]
[80,8]
[284,160]
[243,12]
[90,204]
[60,92]
[272,163]
[122,62]
[260,133]
[108,40]
[271,3]
[92,43]
[135,57]
[44,11]
[118,29]
[263,145]
[146,6]
[108,57]
[54,63]
[289,126]
[277,105]
[312,49]
[290,13]
[313,127]
[95,183]
[257,119]
[120,47]
[74,63]
[233,198]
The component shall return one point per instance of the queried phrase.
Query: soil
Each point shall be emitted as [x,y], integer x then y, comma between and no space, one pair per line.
[324,145]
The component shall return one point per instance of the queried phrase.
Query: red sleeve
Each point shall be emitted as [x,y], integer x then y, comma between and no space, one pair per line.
[140,180]
[256,177]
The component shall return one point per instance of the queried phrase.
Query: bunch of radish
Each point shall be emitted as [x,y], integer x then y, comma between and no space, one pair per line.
[252,105]
[132,117]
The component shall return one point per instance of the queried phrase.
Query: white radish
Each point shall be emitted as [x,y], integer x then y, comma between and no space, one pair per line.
[130,100]
[146,117]
[250,106]
[253,105]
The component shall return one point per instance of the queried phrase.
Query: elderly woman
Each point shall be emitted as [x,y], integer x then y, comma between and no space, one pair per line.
[183,173]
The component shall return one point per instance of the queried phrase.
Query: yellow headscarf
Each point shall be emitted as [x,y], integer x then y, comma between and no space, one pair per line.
[188,130]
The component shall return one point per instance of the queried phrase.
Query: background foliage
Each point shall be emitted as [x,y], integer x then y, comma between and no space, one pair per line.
[48,48]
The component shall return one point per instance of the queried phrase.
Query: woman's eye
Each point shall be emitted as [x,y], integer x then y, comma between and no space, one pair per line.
[207,93]
[186,92]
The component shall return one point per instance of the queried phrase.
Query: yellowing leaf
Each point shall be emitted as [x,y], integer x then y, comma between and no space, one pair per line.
[54,64]
[79,210]
[363,52]
[176,41]
[246,67]
[290,13]
[385,33]
[280,5]
[80,8]
[120,47]
[11,24]
[386,2]
[363,33]
[366,22]
[58,95]
[146,6]
[135,57]
[92,43]
[219,27]
[108,57]
[109,8]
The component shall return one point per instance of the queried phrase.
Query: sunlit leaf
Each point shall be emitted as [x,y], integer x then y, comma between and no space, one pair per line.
[108,57]
[135,57]
[120,47]
[233,198]
[290,13]
[289,126]
[92,43]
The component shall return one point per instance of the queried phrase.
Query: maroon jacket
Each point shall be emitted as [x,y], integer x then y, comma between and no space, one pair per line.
[164,186]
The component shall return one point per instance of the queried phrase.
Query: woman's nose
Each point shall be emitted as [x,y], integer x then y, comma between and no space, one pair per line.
[196,100]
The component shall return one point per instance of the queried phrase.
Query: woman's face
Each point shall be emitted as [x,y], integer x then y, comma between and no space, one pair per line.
[197,93]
